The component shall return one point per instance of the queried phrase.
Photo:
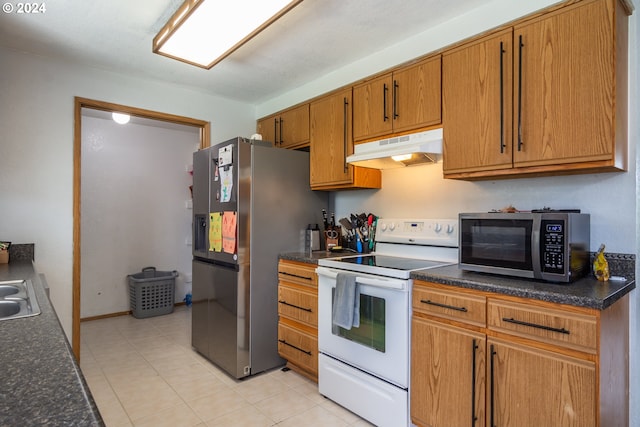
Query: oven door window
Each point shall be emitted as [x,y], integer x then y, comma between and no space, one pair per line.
[497,243]
[371,332]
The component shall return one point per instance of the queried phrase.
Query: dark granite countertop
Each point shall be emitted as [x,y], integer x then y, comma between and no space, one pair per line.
[41,383]
[309,258]
[586,292]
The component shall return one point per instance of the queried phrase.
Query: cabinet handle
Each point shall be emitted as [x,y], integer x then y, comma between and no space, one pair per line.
[520,46]
[502,52]
[295,306]
[297,348]
[474,347]
[534,325]
[492,384]
[281,140]
[284,273]
[275,131]
[385,89]
[345,136]
[395,98]
[437,304]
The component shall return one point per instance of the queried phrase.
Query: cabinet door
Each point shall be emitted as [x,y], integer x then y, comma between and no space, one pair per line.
[372,105]
[267,128]
[331,140]
[447,375]
[564,89]
[536,388]
[293,127]
[476,86]
[417,95]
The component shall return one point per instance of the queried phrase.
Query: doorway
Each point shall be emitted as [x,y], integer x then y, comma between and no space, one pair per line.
[79,105]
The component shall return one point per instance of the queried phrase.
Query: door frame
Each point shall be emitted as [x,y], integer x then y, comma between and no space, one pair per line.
[79,104]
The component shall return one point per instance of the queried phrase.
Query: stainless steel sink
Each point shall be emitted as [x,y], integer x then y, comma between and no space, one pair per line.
[6,290]
[17,299]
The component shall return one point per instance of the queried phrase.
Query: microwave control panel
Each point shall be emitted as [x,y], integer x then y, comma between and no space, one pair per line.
[552,246]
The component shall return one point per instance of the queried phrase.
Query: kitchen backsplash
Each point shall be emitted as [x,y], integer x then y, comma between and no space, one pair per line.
[21,252]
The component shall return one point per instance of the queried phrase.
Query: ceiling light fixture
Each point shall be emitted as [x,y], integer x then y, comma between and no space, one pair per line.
[204,32]
[120,118]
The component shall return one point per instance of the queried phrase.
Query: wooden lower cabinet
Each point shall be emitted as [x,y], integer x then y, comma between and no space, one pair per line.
[533,387]
[532,363]
[447,375]
[298,317]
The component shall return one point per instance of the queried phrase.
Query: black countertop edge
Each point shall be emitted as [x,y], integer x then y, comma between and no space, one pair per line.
[586,292]
[41,383]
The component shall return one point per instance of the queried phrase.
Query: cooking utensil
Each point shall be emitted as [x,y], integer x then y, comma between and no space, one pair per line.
[346,224]
[372,237]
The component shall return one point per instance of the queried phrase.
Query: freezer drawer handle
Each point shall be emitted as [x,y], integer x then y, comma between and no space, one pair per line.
[534,325]
[295,306]
[437,304]
[295,275]
[297,348]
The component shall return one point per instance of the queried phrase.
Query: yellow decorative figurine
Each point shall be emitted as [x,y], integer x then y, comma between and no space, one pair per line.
[601,266]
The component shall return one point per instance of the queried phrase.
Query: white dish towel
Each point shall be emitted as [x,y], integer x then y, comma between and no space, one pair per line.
[346,302]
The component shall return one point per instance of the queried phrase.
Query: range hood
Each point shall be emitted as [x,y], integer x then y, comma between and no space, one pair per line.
[413,149]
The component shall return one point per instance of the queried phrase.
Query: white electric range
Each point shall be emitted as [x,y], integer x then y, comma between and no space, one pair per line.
[366,368]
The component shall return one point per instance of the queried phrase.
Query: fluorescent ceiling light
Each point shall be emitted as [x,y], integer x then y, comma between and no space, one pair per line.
[204,32]
[120,118]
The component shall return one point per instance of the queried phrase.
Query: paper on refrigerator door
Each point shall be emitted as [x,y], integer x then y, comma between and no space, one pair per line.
[226,183]
[229,232]
[215,231]
[225,155]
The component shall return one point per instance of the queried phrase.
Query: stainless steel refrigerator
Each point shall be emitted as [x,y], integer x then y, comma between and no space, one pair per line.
[251,201]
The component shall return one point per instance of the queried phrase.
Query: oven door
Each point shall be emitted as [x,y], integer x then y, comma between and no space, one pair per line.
[380,345]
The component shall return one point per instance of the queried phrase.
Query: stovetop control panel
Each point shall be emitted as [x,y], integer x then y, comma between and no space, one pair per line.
[437,232]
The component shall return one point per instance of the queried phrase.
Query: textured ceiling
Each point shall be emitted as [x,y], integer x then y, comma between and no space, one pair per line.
[316,37]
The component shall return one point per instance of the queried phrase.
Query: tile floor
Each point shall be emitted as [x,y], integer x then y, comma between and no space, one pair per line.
[143,372]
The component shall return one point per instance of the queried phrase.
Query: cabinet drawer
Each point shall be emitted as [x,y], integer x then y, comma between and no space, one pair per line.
[298,273]
[298,305]
[557,327]
[297,347]
[450,305]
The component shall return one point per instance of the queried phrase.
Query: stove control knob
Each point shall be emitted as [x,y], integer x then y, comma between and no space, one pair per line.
[392,226]
[449,229]
[437,228]
[384,226]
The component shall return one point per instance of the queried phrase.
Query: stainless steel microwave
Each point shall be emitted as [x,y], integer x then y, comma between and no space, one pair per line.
[546,245]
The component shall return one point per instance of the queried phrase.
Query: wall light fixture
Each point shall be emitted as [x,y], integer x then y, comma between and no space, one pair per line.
[120,118]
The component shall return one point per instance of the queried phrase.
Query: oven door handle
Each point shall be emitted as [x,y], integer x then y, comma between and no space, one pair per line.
[376,281]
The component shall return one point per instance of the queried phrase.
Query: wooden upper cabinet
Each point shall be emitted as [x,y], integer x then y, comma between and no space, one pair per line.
[568,88]
[565,88]
[331,142]
[476,92]
[267,128]
[287,129]
[371,108]
[417,91]
[405,99]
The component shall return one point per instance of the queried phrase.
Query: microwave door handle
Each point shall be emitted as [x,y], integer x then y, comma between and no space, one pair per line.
[535,247]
